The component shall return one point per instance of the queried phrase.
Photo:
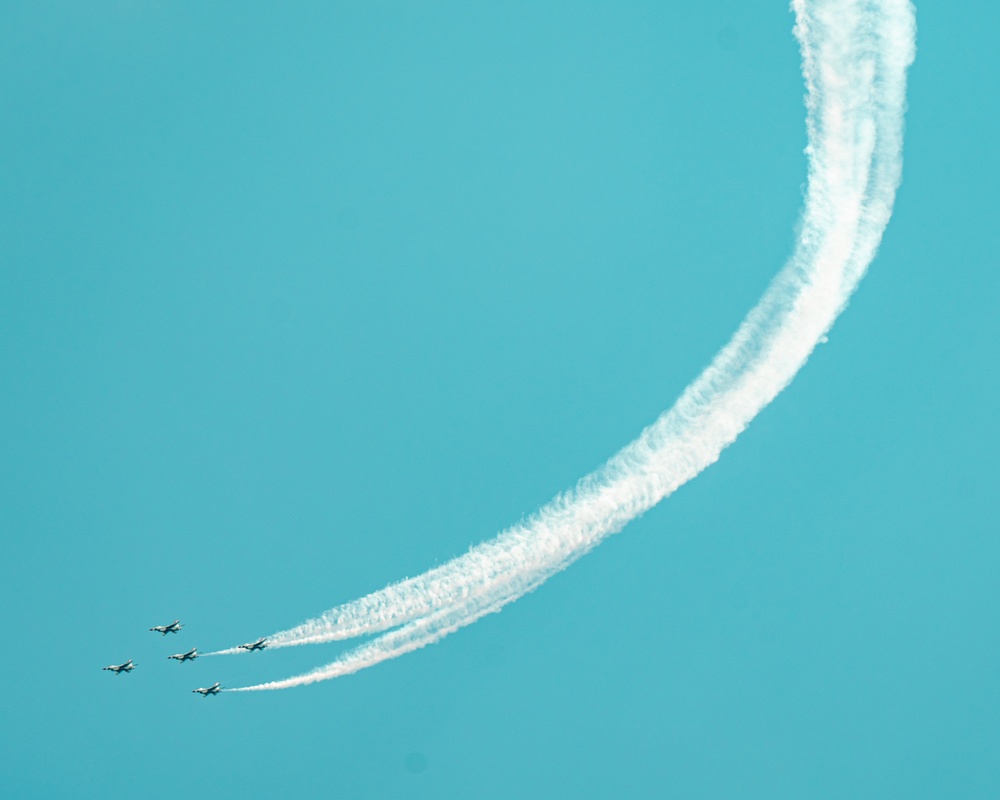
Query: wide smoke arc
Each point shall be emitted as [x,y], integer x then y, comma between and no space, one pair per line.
[855,54]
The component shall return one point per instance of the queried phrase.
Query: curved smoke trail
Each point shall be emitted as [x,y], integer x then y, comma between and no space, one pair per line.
[855,54]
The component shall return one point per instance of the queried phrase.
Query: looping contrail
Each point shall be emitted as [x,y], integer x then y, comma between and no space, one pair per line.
[854,59]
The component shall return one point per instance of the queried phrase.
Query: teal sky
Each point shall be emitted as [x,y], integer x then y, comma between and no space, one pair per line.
[297,302]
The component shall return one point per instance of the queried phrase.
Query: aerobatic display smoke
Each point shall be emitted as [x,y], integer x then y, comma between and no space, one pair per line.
[855,54]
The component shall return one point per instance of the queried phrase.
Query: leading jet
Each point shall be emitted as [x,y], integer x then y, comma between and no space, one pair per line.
[215,688]
[173,627]
[190,655]
[118,669]
[260,644]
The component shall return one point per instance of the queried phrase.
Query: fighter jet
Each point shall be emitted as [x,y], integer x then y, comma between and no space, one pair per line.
[118,669]
[173,627]
[190,655]
[260,644]
[215,688]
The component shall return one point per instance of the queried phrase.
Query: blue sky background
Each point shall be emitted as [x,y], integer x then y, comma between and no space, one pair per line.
[300,301]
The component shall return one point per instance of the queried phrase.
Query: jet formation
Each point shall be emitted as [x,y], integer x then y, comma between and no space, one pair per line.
[190,655]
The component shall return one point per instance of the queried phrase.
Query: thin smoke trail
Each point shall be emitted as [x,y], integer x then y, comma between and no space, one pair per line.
[855,54]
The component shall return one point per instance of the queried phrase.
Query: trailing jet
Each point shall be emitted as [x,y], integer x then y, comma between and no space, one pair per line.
[215,688]
[173,627]
[190,655]
[260,644]
[118,669]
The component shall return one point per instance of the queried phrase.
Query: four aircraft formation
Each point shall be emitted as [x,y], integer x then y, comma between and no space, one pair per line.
[190,655]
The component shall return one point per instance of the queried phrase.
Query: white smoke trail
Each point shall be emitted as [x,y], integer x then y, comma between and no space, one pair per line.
[855,54]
